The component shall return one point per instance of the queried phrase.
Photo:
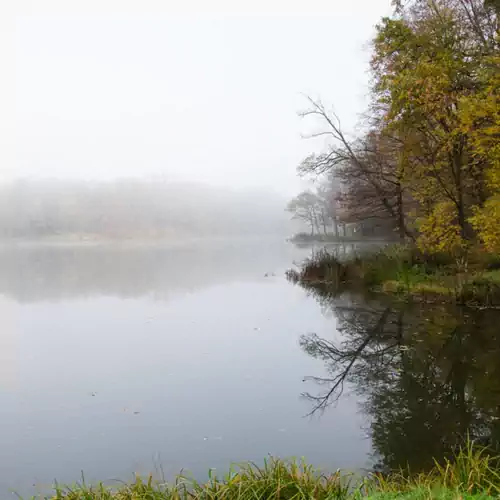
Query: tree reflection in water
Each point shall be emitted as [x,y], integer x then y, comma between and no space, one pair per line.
[428,375]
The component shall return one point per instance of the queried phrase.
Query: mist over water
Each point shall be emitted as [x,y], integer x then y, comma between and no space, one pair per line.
[135,209]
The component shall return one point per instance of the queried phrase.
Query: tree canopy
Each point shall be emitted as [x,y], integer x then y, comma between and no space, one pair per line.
[429,162]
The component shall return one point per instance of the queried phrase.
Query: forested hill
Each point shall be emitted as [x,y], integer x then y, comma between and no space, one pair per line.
[135,209]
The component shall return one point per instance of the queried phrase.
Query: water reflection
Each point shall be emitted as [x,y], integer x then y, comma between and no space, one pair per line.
[428,375]
[50,273]
[32,273]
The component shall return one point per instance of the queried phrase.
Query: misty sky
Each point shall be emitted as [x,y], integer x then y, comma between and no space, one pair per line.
[194,90]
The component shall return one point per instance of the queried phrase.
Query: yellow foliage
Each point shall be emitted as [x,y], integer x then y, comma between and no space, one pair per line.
[486,221]
[480,116]
[481,121]
[438,88]
[440,231]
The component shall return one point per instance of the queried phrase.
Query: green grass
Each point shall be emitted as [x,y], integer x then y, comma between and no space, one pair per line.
[472,471]
[423,494]
[407,272]
[472,474]
[492,276]
[276,479]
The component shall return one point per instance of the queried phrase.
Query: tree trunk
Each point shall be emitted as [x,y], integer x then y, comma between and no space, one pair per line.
[316,224]
[401,216]
[457,170]
[310,219]
[323,222]
[336,227]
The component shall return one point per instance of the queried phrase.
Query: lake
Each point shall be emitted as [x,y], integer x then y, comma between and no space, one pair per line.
[140,359]
[136,359]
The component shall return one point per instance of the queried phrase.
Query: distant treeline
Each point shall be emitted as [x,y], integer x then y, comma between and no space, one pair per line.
[134,209]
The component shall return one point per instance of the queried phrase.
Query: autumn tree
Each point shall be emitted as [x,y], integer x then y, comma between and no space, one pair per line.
[427,65]
[428,164]
[481,120]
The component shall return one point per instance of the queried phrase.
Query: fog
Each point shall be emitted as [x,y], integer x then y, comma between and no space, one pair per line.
[130,209]
[148,153]
[101,90]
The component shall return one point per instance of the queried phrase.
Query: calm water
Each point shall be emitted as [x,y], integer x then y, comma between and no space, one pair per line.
[115,361]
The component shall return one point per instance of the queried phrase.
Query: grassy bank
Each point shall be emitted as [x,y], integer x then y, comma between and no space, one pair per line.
[470,474]
[406,271]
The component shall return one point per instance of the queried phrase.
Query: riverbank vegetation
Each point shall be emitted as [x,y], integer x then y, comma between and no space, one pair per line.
[471,474]
[407,271]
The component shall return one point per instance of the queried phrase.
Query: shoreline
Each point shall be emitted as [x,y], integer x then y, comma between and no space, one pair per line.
[130,242]
[406,273]
[471,473]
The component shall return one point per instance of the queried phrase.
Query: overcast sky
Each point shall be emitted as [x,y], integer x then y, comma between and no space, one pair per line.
[189,90]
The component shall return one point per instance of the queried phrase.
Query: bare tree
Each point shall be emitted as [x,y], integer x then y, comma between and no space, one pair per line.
[306,207]
[370,170]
